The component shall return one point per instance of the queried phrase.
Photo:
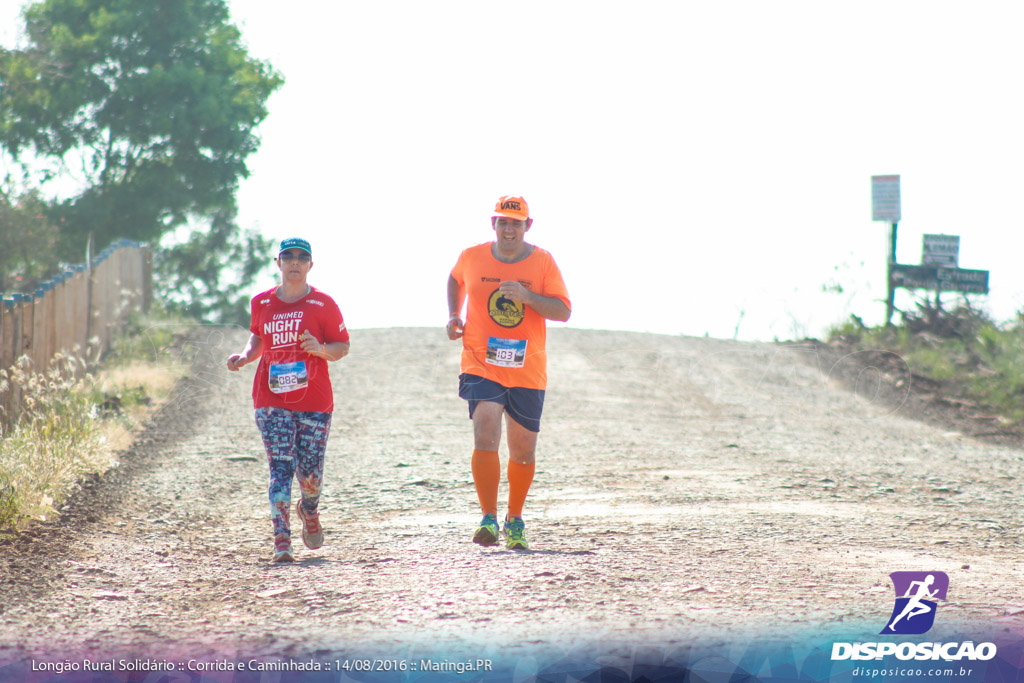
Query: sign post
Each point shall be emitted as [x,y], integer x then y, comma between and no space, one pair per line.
[942,251]
[940,254]
[885,206]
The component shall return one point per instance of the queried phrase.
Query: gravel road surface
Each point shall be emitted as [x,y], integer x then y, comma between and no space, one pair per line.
[689,493]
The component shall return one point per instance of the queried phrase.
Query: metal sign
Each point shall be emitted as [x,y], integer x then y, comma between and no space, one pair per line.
[940,278]
[940,250]
[885,198]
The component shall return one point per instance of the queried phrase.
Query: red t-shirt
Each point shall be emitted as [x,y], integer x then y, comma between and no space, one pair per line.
[504,341]
[287,376]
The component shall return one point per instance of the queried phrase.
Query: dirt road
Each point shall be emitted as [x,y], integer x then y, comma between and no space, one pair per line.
[689,493]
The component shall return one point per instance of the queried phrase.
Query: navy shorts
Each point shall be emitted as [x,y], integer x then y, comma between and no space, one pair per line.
[522,405]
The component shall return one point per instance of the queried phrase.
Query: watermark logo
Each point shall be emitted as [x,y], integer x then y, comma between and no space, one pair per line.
[913,613]
[917,596]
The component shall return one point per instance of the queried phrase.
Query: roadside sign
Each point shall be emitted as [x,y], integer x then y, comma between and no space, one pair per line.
[940,250]
[885,198]
[963,280]
[940,278]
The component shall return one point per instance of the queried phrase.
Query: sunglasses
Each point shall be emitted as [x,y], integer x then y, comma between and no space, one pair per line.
[301,257]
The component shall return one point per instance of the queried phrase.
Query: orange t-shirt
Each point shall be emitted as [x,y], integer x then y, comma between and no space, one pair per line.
[504,341]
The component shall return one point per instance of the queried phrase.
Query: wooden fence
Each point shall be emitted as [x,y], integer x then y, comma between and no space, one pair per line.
[84,307]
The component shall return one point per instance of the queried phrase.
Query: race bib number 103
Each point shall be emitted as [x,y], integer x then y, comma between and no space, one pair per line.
[506,353]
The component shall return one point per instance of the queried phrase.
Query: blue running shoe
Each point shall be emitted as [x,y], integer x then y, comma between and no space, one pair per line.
[487,533]
[514,530]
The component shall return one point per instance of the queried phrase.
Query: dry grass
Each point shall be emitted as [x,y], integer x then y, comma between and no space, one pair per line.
[73,424]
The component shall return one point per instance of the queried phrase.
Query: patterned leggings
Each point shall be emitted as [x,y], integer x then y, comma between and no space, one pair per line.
[295,443]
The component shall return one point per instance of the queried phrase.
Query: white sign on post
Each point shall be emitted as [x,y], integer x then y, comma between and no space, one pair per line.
[885,198]
[941,250]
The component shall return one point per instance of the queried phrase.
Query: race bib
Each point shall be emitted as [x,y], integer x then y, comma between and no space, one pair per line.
[285,377]
[506,353]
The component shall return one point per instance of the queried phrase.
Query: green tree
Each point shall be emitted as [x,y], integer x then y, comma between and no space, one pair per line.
[28,239]
[208,276]
[150,105]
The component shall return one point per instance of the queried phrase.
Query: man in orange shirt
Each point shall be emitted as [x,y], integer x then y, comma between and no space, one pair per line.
[513,289]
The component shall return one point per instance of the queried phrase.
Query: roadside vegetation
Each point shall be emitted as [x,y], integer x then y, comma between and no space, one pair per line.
[79,416]
[961,353]
[151,113]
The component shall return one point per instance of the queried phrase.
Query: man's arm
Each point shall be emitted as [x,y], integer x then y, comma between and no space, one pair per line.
[550,307]
[455,299]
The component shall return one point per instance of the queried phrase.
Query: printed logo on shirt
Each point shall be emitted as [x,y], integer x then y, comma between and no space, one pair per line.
[264,301]
[283,329]
[503,310]
[341,327]
[314,301]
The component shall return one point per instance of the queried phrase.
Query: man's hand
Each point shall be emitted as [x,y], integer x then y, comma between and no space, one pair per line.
[549,307]
[454,327]
[510,289]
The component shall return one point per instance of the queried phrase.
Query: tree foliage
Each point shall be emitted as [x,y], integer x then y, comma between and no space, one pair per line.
[151,106]
[194,280]
[28,238]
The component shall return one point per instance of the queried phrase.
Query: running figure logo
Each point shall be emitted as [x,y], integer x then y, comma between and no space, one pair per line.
[917,596]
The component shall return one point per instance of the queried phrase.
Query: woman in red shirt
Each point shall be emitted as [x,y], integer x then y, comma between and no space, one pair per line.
[295,330]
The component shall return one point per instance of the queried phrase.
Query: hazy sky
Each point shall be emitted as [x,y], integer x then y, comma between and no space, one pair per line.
[692,166]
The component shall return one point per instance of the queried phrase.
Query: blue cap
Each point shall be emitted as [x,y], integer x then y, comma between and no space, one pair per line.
[295,243]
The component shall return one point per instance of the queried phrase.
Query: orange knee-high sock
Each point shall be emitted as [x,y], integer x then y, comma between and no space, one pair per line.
[486,475]
[519,479]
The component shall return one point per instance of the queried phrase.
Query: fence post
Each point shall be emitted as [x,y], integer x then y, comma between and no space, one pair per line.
[101,301]
[147,277]
[113,289]
[6,327]
[96,302]
[6,323]
[12,344]
[50,323]
[60,292]
[80,309]
[70,300]
[38,315]
[27,348]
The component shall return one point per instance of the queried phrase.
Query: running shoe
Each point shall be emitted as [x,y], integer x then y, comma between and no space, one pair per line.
[283,549]
[312,532]
[514,530]
[487,533]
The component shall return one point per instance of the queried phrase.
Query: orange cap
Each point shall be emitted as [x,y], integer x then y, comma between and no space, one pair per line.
[512,207]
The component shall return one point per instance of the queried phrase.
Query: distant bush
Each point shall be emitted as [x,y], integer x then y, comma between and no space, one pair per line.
[961,348]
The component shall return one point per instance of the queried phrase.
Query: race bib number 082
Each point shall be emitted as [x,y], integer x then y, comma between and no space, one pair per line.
[285,377]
